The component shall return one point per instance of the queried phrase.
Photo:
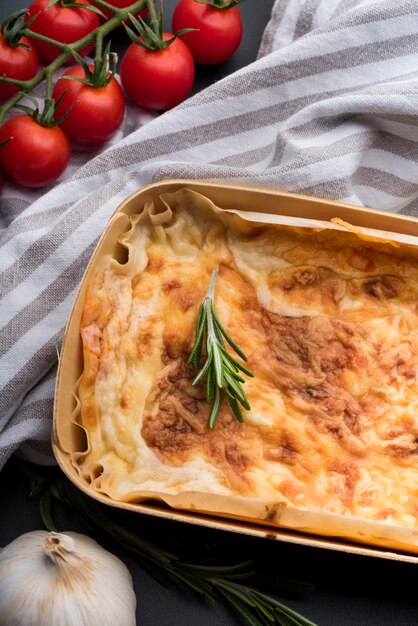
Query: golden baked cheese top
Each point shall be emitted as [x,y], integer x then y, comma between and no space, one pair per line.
[329,323]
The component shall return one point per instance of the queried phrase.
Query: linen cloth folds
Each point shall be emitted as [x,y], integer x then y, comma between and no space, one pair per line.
[328,109]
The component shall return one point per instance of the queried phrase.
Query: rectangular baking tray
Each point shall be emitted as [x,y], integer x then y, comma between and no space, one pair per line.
[67,437]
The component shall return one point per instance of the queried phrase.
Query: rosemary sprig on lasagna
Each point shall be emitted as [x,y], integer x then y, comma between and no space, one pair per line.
[221,370]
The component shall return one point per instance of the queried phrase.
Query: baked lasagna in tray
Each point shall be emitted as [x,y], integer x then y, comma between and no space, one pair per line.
[329,322]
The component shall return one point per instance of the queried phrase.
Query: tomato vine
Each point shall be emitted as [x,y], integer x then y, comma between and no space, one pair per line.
[46,73]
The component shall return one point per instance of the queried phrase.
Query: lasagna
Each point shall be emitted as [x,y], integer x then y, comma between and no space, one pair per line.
[329,322]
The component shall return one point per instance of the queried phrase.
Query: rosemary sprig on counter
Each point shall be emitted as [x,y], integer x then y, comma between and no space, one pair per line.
[230,584]
[221,369]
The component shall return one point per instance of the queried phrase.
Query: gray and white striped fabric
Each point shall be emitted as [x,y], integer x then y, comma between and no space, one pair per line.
[329,109]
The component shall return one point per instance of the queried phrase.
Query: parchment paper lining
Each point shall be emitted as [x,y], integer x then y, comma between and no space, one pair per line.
[256,510]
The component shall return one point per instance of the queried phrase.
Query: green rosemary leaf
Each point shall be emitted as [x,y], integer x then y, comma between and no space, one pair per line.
[295,618]
[220,369]
[218,335]
[270,581]
[299,619]
[234,373]
[217,363]
[37,485]
[227,337]
[235,591]
[245,403]
[138,553]
[197,585]
[265,621]
[285,621]
[238,378]
[217,569]
[201,319]
[229,394]
[195,355]
[229,366]
[237,364]
[45,510]
[250,617]
[236,387]
[151,566]
[270,617]
[204,370]
[235,407]
[215,408]
[129,538]
[200,314]
[242,576]
[265,607]
[210,386]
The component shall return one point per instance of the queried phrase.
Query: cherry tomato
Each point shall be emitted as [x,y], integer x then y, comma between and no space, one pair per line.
[121,4]
[219,30]
[36,155]
[16,62]
[158,79]
[64,24]
[97,113]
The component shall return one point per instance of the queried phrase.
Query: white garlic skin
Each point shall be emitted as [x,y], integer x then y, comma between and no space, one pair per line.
[55,579]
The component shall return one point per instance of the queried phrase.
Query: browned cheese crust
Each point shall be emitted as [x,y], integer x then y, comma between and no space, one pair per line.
[329,325]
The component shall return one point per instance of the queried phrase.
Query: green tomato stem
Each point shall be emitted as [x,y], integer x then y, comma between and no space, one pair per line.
[99,47]
[12,81]
[59,44]
[153,16]
[220,4]
[48,85]
[111,7]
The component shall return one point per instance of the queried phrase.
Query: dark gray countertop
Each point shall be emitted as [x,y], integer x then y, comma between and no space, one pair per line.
[350,589]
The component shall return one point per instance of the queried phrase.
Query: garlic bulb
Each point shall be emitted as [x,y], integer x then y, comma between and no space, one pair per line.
[54,579]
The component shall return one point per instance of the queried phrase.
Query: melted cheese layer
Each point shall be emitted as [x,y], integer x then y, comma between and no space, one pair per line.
[329,325]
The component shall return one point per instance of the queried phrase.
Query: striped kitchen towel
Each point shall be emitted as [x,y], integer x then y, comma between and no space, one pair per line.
[328,109]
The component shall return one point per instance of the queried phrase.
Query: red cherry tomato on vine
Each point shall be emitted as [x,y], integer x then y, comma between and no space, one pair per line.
[219,30]
[120,4]
[97,112]
[64,24]
[16,62]
[36,155]
[158,79]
